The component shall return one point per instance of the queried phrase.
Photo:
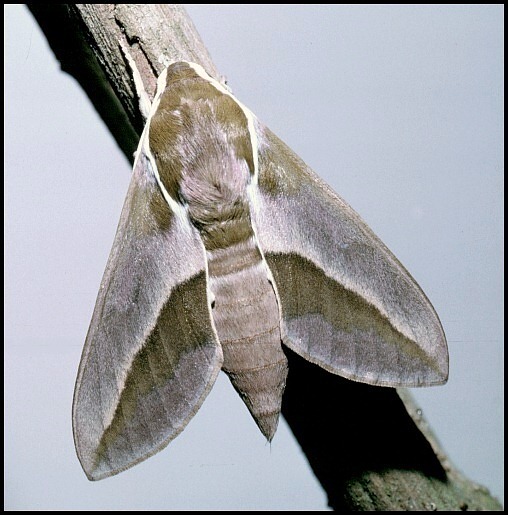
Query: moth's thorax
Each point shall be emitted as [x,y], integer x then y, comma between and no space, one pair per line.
[200,140]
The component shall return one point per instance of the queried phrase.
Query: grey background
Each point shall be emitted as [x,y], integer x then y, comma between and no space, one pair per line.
[398,108]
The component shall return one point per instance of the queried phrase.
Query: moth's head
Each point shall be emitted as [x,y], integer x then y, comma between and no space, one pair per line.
[184,70]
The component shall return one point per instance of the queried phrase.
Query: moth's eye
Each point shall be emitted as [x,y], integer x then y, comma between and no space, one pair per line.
[213,304]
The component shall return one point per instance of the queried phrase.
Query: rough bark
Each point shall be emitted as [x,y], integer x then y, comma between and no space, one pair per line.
[375,450]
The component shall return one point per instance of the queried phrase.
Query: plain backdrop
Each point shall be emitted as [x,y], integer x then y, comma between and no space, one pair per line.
[398,108]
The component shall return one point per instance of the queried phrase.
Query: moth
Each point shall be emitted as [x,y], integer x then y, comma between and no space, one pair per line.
[229,248]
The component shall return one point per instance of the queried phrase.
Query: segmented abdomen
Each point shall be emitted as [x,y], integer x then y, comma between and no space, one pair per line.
[246,317]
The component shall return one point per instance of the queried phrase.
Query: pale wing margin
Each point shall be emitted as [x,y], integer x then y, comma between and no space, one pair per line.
[346,302]
[151,354]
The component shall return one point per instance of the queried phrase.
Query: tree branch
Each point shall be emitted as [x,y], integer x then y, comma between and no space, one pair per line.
[373,450]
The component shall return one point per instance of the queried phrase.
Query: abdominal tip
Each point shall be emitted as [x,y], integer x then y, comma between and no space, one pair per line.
[268,425]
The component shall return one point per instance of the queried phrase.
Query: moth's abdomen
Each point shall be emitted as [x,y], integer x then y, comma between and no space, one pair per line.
[246,316]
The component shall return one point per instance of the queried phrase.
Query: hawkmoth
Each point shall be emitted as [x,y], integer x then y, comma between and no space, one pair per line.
[229,248]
